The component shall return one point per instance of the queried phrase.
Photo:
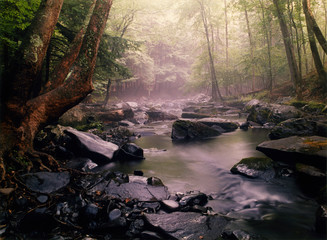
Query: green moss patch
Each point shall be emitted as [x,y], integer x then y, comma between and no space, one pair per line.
[257,163]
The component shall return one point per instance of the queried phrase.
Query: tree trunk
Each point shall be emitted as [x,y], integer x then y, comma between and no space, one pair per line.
[267,33]
[214,83]
[24,116]
[299,9]
[294,71]
[313,25]
[251,46]
[314,49]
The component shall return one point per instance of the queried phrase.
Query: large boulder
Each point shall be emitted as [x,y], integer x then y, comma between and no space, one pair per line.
[255,167]
[298,127]
[262,113]
[187,130]
[308,150]
[228,126]
[188,225]
[91,146]
[157,115]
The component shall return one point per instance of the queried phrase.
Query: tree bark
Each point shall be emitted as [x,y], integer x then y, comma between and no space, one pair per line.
[251,46]
[313,25]
[314,49]
[294,71]
[19,127]
[268,40]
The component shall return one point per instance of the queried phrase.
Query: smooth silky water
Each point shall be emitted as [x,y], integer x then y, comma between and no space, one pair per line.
[275,210]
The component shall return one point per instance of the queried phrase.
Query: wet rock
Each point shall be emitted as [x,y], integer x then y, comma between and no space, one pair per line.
[82,164]
[138,173]
[262,113]
[245,126]
[255,167]
[91,146]
[187,130]
[42,198]
[154,181]
[137,190]
[296,127]
[149,207]
[156,115]
[126,123]
[188,225]
[130,152]
[311,180]
[170,205]
[114,215]
[194,198]
[228,126]
[148,235]
[46,182]
[321,220]
[240,235]
[308,150]
[194,115]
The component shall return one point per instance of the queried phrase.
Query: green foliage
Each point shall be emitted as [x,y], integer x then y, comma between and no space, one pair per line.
[15,17]
[93,125]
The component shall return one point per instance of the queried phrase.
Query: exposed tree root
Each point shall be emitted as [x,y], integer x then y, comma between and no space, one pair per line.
[43,160]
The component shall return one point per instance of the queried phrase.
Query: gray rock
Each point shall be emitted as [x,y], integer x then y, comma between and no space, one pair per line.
[187,130]
[228,126]
[46,182]
[308,150]
[255,167]
[157,115]
[294,127]
[188,225]
[136,190]
[170,205]
[91,146]
[148,235]
[114,215]
[262,113]
[129,152]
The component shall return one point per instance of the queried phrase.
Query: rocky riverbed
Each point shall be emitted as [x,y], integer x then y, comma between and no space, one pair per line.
[86,200]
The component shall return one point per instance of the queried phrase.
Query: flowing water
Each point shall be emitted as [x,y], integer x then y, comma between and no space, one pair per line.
[274,210]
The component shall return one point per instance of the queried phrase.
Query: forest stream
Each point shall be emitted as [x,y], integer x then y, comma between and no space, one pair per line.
[272,209]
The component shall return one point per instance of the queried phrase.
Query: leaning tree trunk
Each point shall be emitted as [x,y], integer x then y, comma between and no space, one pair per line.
[25,116]
[314,49]
[295,75]
[313,25]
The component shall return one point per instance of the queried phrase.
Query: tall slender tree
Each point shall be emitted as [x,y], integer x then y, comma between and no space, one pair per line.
[292,64]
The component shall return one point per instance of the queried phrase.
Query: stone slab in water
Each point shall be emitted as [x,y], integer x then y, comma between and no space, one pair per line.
[309,150]
[46,182]
[137,190]
[224,124]
[188,225]
[187,130]
[91,146]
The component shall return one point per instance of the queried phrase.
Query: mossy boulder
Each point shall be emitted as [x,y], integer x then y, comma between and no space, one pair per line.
[260,112]
[226,125]
[255,167]
[309,150]
[188,130]
[294,127]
